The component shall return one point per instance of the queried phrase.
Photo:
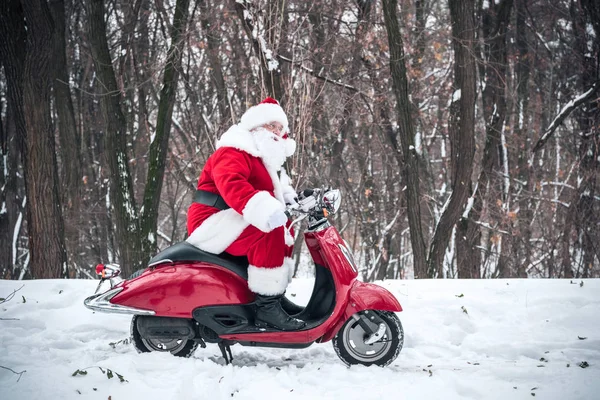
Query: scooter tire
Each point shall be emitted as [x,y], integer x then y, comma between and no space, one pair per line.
[347,346]
[186,350]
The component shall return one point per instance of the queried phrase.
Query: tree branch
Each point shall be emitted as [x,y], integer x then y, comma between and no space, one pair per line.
[564,113]
[15,372]
[10,296]
[316,75]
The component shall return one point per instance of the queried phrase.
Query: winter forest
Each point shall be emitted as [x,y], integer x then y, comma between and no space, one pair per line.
[463,134]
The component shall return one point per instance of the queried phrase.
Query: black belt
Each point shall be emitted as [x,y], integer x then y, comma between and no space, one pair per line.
[210,199]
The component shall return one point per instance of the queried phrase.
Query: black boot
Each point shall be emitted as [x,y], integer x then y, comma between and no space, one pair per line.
[290,307]
[269,312]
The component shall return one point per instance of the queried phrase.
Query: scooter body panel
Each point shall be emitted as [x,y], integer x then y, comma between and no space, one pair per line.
[312,334]
[331,250]
[176,290]
[327,248]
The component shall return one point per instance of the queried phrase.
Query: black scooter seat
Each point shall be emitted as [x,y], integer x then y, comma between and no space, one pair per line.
[184,251]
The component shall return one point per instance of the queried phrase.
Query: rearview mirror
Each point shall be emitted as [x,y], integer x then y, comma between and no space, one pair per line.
[332,200]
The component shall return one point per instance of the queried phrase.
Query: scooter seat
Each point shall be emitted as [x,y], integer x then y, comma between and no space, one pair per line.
[184,251]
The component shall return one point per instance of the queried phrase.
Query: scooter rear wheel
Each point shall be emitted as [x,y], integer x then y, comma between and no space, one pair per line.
[350,346]
[178,347]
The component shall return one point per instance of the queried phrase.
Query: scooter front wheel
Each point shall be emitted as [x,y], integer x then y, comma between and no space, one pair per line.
[177,347]
[352,342]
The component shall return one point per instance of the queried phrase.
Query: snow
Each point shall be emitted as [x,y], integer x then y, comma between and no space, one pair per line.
[506,170]
[16,231]
[456,95]
[478,339]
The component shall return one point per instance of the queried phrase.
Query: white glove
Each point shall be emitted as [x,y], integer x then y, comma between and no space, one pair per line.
[277,219]
[290,197]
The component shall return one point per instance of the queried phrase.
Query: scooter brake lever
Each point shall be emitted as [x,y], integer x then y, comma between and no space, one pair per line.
[299,219]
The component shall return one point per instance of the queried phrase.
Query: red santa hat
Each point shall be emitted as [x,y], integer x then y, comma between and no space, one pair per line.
[267,111]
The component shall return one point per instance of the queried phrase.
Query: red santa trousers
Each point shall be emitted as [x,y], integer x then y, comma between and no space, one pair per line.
[271,266]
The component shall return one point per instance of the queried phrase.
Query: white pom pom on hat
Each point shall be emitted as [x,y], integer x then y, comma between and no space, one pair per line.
[265,112]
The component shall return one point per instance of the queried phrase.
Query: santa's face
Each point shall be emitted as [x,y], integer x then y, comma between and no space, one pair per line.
[274,127]
[274,149]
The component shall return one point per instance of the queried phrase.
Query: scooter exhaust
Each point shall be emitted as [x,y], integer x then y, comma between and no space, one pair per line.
[165,328]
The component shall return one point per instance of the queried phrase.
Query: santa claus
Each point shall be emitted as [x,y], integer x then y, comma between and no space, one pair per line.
[239,207]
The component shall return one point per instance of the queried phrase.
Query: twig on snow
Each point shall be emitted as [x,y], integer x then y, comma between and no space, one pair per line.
[15,372]
[10,296]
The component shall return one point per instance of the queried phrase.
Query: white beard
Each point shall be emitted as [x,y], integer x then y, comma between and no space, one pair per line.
[271,147]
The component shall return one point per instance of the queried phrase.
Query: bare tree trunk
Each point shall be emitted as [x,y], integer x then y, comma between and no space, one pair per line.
[70,142]
[5,175]
[408,159]
[494,24]
[462,130]
[211,30]
[588,119]
[337,152]
[159,146]
[45,221]
[322,52]
[12,57]
[121,189]
[522,230]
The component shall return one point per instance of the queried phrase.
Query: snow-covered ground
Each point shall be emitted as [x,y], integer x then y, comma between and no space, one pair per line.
[478,339]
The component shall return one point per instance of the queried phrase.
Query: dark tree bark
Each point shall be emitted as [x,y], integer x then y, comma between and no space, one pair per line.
[494,23]
[588,120]
[337,151]
[321,50]
[45,221]
[115,125]
[70,142]
[159,146]
[211,30]
[408,159]
[5,239]
[462,130]
[12,58]
[522,230]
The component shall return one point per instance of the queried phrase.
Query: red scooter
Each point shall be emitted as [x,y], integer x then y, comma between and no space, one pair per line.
[187,297]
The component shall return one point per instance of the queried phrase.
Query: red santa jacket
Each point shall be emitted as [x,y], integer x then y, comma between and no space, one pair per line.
[252,190]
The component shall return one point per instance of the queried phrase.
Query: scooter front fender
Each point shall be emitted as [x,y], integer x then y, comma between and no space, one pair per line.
[364,296]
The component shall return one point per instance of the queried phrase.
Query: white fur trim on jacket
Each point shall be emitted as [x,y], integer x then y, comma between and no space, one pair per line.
[262,114]
[242,139]
[239,138]
[277,189]
[289,263]
[268,281]
[218,231]
[259,208]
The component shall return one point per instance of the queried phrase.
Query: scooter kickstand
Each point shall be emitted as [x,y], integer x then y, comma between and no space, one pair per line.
[226,352]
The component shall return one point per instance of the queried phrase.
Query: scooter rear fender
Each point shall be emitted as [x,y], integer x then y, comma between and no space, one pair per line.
[176,290]
[364,296]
